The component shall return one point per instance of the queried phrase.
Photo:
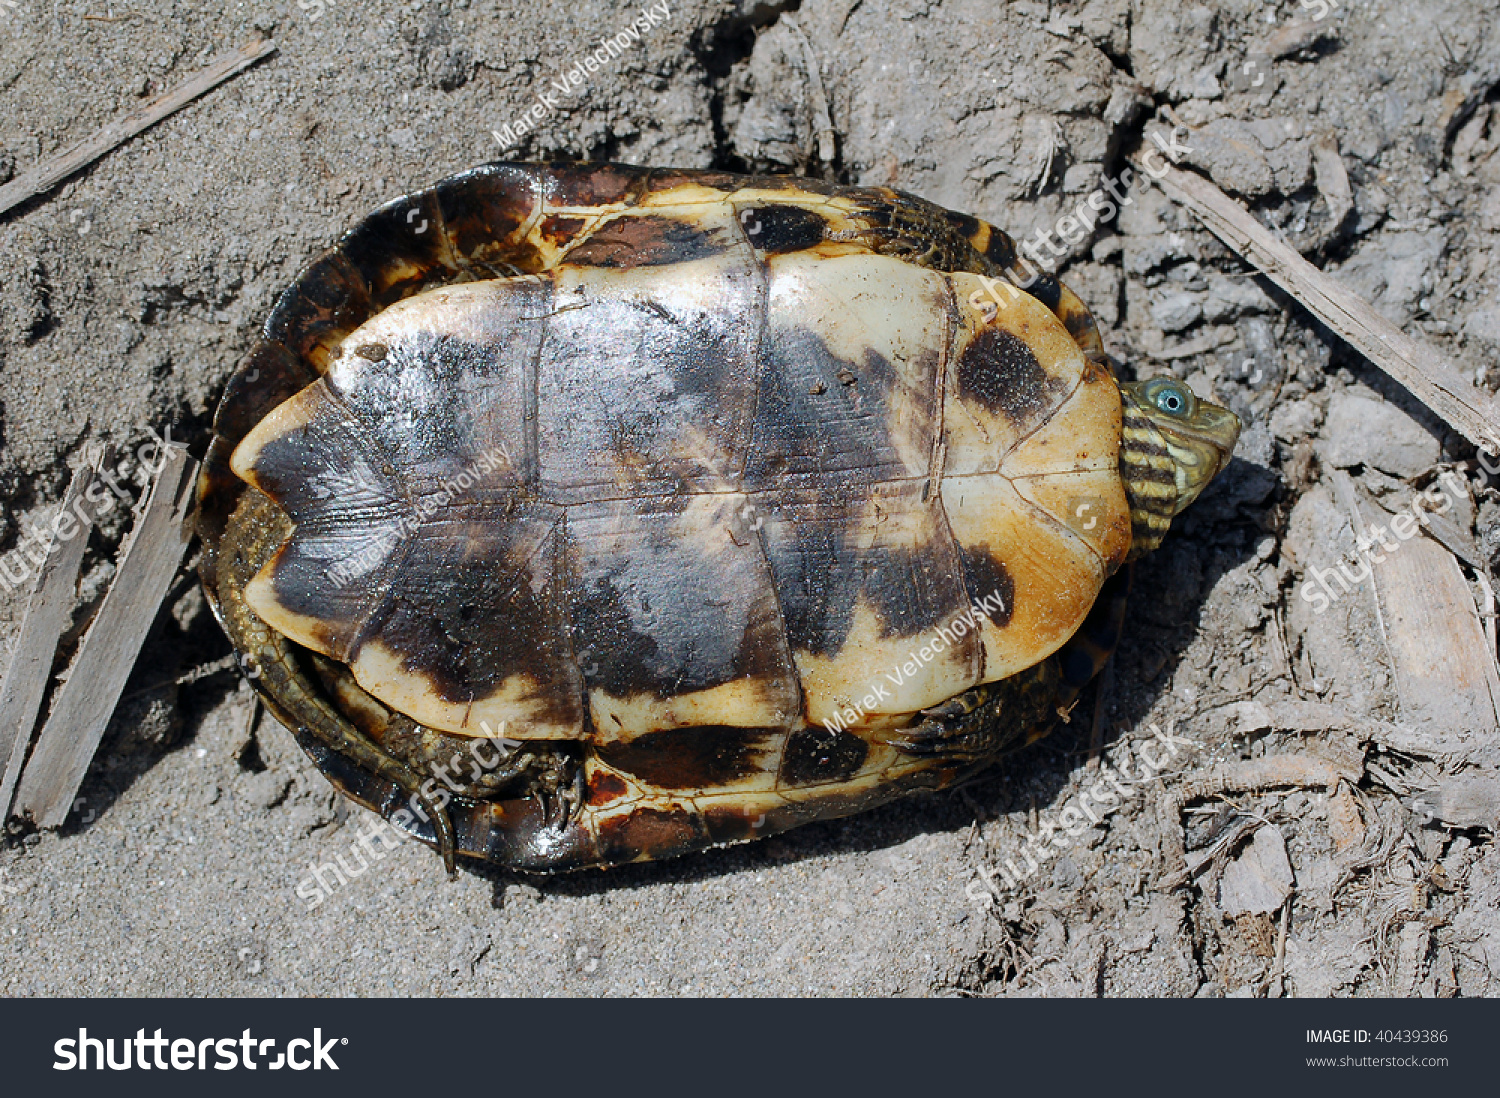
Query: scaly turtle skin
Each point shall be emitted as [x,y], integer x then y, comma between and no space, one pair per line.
[736,502]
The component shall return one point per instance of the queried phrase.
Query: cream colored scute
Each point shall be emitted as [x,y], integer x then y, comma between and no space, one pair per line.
[481,313]
[978,440]
[1082,436]
[742,703]
[260,596]
[870,304]
[288,416]
[872,677]
[517,710]
[699,286]
[1091,504]
[1055,576]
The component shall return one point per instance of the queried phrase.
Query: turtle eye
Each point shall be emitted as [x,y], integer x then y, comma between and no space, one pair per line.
[1171,396]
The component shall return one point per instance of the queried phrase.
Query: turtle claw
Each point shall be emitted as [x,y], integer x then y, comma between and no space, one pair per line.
[563,805]
[442,827]
[962,728]
[935,739]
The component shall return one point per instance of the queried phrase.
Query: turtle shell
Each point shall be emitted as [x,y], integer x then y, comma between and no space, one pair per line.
[716,486]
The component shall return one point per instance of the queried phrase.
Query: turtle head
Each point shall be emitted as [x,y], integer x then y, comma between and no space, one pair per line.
[1172,444]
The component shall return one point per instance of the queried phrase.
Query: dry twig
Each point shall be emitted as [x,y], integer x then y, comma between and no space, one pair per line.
[46,617]
[85,703]
[1417,366]
[54,170]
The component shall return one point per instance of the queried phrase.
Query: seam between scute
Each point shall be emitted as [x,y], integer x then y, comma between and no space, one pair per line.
[935,475]
[531,391]
[1056,408]
[563,578]
[939,451]
[1054,520]
[460,264]
[1035,476]
[538,207]
[762,267]
[762,271]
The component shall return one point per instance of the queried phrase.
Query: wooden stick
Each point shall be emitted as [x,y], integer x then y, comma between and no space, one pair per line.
[47,612]
[84,704]
[1442,662]
[54,170]
[1422,370]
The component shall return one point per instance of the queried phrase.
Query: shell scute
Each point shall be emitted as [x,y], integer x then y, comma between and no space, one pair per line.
[331,300]
[672,391]
[487,214]
[675,618]
[851,357]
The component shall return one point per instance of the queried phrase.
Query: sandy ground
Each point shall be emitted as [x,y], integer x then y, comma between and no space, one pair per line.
[128,294]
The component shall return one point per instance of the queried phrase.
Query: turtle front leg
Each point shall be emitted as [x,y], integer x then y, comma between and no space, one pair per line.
[255,530]
[979,724]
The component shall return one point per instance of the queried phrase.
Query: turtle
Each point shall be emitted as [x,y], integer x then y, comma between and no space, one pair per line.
[579,514]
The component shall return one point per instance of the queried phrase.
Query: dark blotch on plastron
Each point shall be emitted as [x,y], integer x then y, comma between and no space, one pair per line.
[302,585]
[641,386]
[779,229]
[485,209]
[467,612]
[1001,374]
[649,241]
[689,758]
[821,755]
[812,540]
[984,577]
[817,579]
[836,429]
[647,832]
[667,604]
[605,787]
[618,656]
[914,590]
